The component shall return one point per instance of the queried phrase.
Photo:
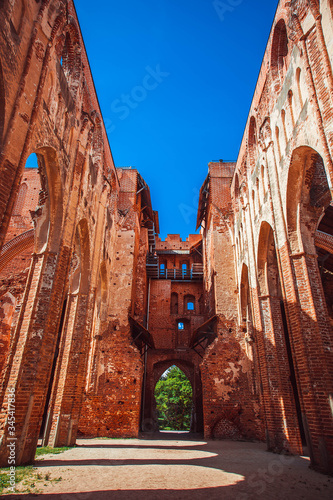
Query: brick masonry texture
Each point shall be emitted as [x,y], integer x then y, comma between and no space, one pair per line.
[95,307]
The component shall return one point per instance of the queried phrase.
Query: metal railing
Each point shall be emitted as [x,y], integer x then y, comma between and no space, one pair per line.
[155,271]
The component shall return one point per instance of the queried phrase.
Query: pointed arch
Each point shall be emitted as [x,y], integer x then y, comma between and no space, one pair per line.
[278,52]
[81,259]
[68,49]
[244,294]
[268,273]
[308,195]
[48,216]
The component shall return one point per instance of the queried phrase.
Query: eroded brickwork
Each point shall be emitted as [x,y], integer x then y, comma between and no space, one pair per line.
[94,306]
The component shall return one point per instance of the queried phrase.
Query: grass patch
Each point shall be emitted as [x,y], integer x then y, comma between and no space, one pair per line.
[27,479]
[46,450]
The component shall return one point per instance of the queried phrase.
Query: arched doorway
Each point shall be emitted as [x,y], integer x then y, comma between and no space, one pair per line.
[159,364]
[173,399]
[308,209]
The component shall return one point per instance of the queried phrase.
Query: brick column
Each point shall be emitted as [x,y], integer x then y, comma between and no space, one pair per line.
[310,326]
[71,371]
[36,340]
[286,434]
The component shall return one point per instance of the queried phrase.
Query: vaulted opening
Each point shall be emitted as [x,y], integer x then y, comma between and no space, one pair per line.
[279,51]
[173,396]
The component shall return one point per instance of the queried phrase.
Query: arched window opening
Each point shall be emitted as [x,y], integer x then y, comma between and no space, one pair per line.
[283,118]
[185,266]
[279,52]
[236,187]
[299,90]
[253,207]
[264,181]
[174,303]
[163,267]
[277,135]
[32,161]
[258,193]
[252,132]
[244,296]
[252,141]
[189,303]
[173,396]
[66,59]
[182,332]
[69,54]
[290,102]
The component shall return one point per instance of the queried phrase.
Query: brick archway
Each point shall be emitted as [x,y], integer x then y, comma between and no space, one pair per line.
[157,364]
[308,198]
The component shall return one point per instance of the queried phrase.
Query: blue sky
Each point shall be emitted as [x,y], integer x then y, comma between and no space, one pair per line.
[175,80]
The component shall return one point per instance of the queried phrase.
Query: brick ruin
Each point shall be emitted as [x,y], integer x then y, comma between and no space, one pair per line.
[94,306]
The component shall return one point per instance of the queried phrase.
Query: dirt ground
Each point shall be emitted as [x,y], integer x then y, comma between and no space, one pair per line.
[176,466]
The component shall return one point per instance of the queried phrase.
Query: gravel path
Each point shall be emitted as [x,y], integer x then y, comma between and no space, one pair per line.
[179,467]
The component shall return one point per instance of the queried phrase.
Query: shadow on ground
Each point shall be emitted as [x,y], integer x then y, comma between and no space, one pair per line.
[185,467]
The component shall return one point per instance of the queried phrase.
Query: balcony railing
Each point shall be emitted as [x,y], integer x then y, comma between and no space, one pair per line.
[154,271]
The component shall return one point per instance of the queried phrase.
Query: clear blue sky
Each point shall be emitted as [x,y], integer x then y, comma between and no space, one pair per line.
[175,80]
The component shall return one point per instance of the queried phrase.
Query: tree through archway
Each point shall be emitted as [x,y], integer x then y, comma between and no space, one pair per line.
[173,395]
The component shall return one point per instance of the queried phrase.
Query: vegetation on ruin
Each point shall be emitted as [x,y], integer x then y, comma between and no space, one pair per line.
[27,479]
[45,450]
[173,394]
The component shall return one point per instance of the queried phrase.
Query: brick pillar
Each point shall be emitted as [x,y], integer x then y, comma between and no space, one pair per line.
[286,432]
[32,361]
[311,342]
[71,371]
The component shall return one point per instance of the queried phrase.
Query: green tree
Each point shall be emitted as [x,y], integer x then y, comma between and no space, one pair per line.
[173,394]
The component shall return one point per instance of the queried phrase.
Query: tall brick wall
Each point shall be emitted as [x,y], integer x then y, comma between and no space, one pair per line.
[281,195]
[73,284]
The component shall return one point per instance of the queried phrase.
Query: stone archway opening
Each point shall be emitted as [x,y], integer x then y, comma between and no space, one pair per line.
[157,366]
[174,400]
[15,255]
